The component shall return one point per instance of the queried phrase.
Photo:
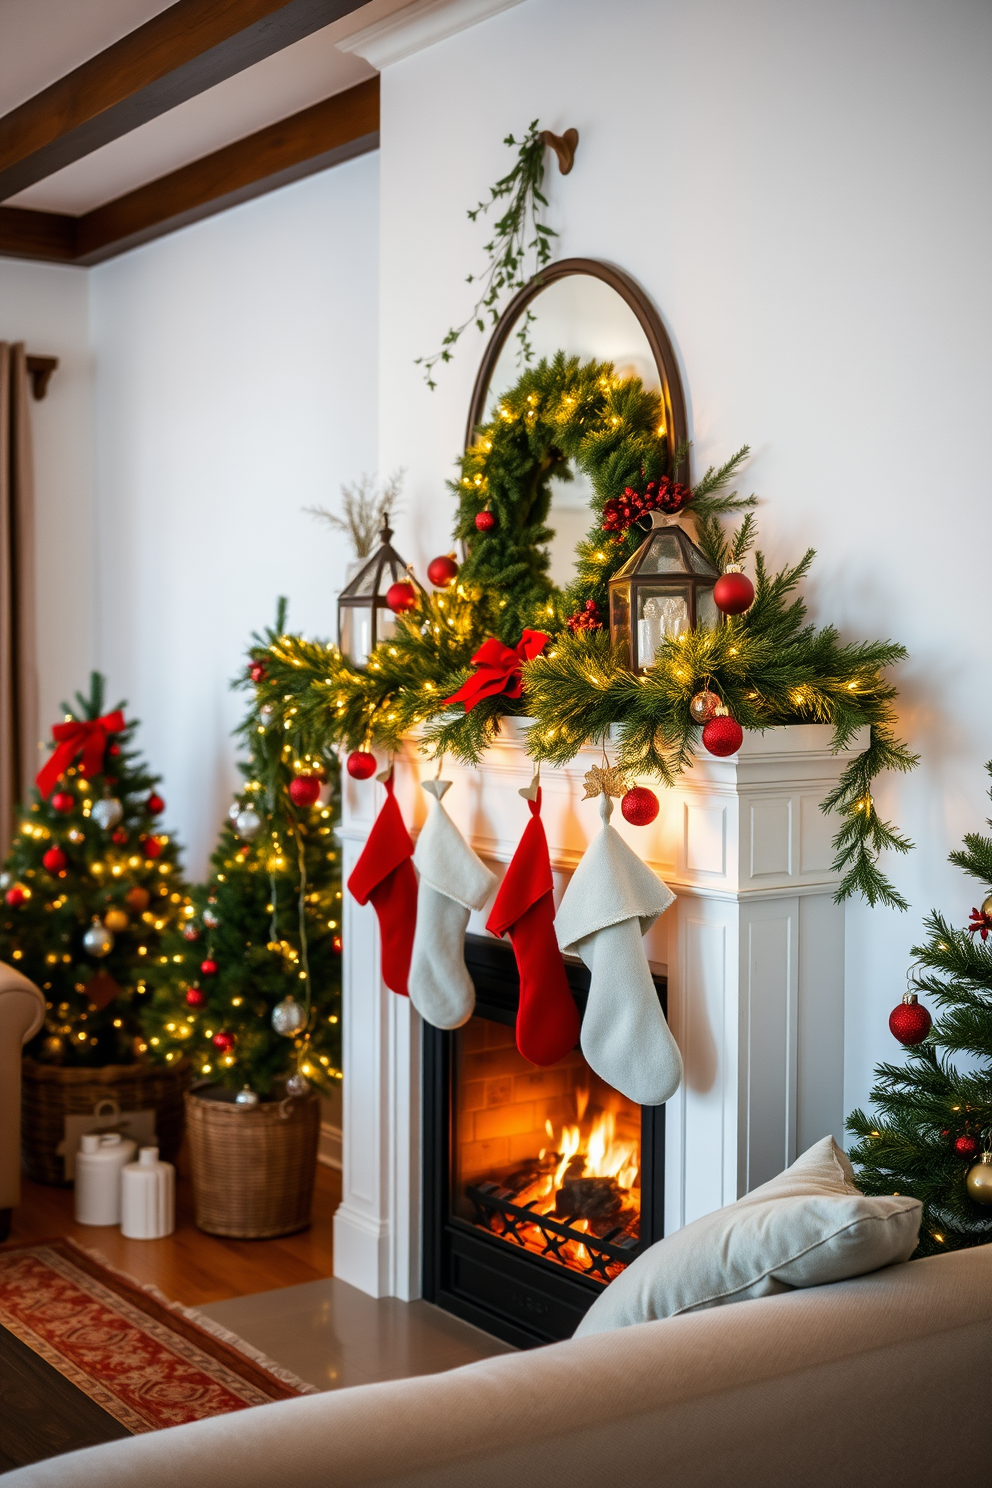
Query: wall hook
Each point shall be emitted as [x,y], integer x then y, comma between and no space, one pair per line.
[564,146]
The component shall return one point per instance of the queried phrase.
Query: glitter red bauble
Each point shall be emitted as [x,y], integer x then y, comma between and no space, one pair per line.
[484,521]
[304,790]
[153,847]
[639,806]
[909,1022]
[54,859]
[361,764]
[63,801]
[155,804]
[119,836]
[965,1146]
[223,1040]
[722,735]
[195,997]
[441,571]
[15,897]
[256,672]
[733,593]
[208,967]
[401,596]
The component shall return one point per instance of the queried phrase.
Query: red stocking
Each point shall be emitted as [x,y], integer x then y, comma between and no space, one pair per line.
[384,874]
[547,1018]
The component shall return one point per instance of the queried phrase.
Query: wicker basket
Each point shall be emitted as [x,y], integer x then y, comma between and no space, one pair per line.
[50,1094]
[253,1167]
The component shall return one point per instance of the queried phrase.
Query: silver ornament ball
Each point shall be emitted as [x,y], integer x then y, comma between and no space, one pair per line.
[98,940]
[297,1084]
[288,1017]
[248,824]
[246,1097]
[234,810]
[107,813]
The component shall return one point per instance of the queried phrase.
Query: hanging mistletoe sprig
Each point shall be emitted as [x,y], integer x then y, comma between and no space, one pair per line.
[518,235]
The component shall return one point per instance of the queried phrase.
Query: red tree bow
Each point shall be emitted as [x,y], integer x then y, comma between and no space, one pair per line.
[499,669]
[85,736]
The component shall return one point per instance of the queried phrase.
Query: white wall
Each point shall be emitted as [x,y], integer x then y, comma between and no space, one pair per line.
[236,383]
[47,307]
[803,190]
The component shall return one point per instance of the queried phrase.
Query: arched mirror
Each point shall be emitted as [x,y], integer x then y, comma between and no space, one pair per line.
[591,310]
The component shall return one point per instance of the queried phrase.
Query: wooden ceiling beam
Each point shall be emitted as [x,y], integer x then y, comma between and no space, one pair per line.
[338,129]
[179,53]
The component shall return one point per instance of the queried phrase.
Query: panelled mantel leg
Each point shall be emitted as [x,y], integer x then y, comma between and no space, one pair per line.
[753,948]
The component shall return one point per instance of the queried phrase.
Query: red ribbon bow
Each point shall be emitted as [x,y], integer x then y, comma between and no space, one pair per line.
[499,669]
[86,736]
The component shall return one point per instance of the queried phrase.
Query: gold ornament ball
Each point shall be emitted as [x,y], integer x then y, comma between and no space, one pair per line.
[987,906]
[116,920]
[980,1181]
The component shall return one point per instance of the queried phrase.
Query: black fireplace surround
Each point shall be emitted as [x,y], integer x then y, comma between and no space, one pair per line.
[514,1293]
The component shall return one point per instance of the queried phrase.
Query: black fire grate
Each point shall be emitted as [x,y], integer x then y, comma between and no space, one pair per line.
[612,1249]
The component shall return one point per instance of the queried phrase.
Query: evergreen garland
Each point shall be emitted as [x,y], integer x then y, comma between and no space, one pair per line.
[771,666]
[906,1144]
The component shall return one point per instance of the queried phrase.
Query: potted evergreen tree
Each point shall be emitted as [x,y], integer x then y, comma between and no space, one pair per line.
[257,1008]
[91,887]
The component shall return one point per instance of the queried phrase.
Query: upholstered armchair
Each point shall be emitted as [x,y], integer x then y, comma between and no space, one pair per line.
[22,1011]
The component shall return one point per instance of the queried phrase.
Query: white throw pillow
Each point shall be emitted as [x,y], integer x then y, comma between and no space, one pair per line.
[808,1226]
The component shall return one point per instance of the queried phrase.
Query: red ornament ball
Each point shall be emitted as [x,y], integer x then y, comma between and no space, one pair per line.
[965,1146]
[256,672]
[155,804]
[639,806]
[63,801]
[208,967]
[223,1040]
[118,835]
[304,790]
[336,945]
[909,1022]
[114,749]
[153,847]
[361,764]
[54,859]
[733,592]
[401,596]
[15,897]
[722,735]
[195,997]
[484,521]
[442,571]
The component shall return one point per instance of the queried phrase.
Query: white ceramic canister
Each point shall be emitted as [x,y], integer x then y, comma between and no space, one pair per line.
[99,1162]
[148,1197]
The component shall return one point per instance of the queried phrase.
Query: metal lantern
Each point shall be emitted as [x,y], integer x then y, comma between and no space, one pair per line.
[364,618]
[663,590]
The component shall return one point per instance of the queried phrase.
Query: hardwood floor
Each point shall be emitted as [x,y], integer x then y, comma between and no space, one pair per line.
[189,1266]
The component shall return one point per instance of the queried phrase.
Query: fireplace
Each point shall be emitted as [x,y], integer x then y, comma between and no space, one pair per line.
[540,1184]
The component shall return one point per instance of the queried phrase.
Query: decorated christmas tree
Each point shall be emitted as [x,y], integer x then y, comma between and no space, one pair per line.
[91,888]
[250,988]
[930,1131]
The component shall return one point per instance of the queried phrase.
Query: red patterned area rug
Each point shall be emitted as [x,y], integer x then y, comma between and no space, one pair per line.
[147,1362]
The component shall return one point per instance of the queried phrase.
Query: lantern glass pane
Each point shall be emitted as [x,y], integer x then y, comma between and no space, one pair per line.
[356,633]
[366,582]
[707,614]
[663,556]
[700,563]
[661,613]
[385,625]
[620,616]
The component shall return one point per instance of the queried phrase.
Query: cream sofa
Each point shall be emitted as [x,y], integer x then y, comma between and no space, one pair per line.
[885,1380]
[22,1012]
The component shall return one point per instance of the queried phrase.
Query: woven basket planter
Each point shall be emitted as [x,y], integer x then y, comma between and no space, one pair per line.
[49,1094]
[253,1167]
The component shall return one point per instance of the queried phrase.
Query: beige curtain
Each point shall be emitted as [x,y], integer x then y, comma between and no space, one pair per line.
[18,663]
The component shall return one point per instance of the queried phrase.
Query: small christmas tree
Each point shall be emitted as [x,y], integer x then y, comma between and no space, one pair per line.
[90,888]
[260,1004]
[930,1134]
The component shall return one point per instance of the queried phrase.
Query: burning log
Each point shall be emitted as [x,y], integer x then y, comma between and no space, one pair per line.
[588,1198]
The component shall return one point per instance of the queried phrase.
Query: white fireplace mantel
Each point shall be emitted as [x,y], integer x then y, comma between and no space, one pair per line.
[753,949]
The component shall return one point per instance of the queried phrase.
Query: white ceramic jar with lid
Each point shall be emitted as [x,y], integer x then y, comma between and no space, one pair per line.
[99,1162]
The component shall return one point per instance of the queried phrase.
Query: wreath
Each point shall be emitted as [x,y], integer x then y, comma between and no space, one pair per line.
[770,665]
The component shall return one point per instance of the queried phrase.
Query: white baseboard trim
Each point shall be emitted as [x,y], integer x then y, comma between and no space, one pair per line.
[329,1149]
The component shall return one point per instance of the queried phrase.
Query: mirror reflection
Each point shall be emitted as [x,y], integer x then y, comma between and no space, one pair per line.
[583,317]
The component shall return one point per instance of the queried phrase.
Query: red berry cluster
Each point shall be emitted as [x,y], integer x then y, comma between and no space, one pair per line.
[588,618]
[620,512]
